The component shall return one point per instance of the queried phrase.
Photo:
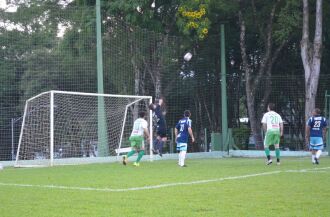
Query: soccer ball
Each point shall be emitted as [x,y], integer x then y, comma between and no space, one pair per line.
[187,56]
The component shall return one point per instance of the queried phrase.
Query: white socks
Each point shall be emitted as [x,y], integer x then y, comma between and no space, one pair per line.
[182,157]
[313,158]
[318,154]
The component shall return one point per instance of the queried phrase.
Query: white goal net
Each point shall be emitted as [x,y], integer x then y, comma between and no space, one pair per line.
[71,128]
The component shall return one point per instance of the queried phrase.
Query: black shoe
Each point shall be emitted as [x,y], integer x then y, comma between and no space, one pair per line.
[316,161]
[125,160]
[160,154]
[269,162]
[184,165]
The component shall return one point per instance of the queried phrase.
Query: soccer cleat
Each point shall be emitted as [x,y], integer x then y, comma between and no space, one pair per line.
[125,159]
[136,164]
[184,165]
[269,162]
[316,161]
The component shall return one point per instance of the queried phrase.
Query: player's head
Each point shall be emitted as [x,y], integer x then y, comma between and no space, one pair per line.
[152,106]
[271,106]
[187,113]
[316,112]
[142,114]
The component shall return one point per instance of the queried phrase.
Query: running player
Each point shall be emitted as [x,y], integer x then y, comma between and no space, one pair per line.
[140,128]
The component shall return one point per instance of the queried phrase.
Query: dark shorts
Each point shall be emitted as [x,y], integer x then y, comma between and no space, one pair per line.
[161,132]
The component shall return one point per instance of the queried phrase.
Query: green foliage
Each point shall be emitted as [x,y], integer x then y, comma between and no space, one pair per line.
[289,21]
[241,137]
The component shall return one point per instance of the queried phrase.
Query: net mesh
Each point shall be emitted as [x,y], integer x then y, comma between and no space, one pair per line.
[75,128]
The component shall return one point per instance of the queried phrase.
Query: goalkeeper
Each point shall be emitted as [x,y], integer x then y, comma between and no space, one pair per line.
[140,129]
[159,117]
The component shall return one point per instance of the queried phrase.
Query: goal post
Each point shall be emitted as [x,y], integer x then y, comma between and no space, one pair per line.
[61,127]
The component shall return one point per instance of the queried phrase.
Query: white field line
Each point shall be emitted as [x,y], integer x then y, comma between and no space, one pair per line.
[162,185]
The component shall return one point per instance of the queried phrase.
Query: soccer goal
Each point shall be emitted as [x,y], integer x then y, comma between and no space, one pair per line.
[61,127]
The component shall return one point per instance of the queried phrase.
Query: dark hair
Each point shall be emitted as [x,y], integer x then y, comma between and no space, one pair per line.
[142,114]
[317,111]
[271,106]
[152,106]
[187,113]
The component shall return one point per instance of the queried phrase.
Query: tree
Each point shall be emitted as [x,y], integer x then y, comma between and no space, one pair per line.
[311,54]
[258,59]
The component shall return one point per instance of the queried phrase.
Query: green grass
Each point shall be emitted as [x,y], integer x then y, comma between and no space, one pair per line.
[282,193]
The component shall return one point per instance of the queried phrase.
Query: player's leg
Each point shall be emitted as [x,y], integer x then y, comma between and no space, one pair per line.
[277,138]
[156,144]
[179,151]
[313,155]
[140,148]
[161,144]
[266,148]
[316,144]
[183,154]
[132,139]
[311,149]
[319,149]
[277,153]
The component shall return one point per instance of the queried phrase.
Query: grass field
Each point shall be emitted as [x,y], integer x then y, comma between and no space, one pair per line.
[210,187]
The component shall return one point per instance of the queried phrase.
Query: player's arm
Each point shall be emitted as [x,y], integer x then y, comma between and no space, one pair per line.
[324,133]
[146,133]
[191,134]
[307,133]
[264,127]
[281,128]
[176,132]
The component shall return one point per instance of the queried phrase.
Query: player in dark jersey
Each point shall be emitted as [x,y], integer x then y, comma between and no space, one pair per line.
[159,117]
[316,128]
[182,131]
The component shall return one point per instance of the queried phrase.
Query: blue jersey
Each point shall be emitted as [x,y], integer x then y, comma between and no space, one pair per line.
[182,126]
[159,117]
[317,124]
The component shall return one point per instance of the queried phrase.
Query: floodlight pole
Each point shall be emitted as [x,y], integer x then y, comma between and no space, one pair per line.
[103,148]
[224,116]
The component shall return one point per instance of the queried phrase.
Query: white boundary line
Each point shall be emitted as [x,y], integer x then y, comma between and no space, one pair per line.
[162,185]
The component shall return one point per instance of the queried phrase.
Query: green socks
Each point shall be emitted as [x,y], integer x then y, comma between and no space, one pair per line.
[277,152]
[267,152]
[141,153]
[131,153]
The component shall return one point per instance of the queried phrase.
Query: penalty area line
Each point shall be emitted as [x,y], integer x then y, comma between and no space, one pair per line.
[61,187]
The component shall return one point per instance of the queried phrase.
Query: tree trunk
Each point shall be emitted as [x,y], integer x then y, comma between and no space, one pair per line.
[311,55]
[255,73]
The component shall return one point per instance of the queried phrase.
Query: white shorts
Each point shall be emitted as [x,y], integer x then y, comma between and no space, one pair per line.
[181,146]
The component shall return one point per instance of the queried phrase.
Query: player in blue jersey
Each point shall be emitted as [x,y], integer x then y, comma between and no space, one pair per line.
[316,128]
[159,117]
[182,131]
